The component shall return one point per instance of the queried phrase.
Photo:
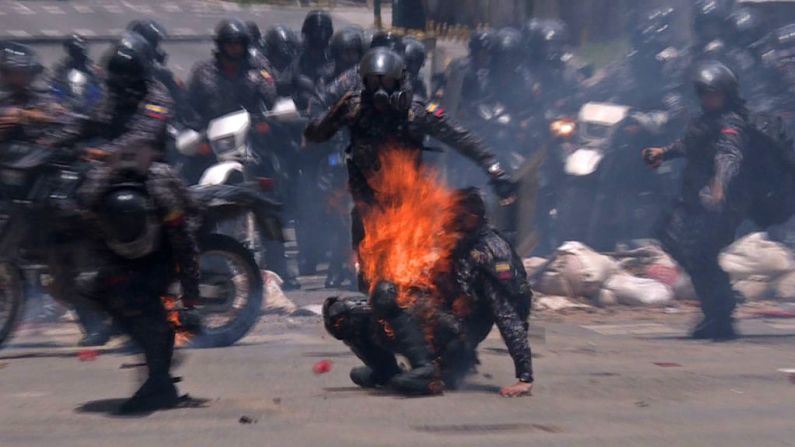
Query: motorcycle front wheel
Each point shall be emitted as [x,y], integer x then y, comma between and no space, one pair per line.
[12,296]
[230,290]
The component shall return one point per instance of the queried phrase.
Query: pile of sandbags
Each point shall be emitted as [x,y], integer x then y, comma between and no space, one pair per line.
[647,276]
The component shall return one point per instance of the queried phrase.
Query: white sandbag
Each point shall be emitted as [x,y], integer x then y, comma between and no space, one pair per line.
[556,303]
[576,271]
[606,298]
[783,289]
[753,288]
[276,302]
[755,255]
[533,265]
[633,291]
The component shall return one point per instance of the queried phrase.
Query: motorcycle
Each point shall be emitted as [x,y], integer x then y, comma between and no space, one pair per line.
[230,138]
[606,195]
[37,186]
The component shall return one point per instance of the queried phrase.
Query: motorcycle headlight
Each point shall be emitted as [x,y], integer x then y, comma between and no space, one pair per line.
[224,145]
[563,128]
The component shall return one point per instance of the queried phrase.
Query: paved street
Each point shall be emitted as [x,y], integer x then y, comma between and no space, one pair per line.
[604,379]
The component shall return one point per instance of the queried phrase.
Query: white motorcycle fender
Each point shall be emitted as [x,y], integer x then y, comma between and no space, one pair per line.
[218,174]
[583,162]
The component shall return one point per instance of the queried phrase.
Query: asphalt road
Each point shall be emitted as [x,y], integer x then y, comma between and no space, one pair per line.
[603,379]
[48,20]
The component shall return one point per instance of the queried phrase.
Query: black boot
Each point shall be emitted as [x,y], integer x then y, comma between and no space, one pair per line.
[724,330]
[704,330]
[97,338]
[155,394]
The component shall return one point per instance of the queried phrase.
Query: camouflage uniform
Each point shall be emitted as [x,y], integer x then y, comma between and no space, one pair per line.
[212,93]
[32,132]
[714,146]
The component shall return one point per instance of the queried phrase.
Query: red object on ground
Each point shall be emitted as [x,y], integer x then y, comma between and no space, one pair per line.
[87,355]
[774,314]
[322,367]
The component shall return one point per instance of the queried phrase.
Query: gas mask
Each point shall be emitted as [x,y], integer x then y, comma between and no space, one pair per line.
[388,93]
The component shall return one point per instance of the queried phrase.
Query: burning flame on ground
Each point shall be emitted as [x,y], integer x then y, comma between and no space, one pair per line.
[407,233]
[181,335]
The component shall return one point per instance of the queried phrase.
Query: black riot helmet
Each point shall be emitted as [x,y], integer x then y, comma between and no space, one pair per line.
[414,55]
[710,19]
[76,48]
[347,47]
[383,73]
[232,31]
[508,50]
[317,29]
[481,45]
[779,52]
[713,77]
[556,39]
[653,31]
[747,27]
[19,67]
[281,46]
[128,225]
[388,40]
[129,67]
[254,33]
[154,33]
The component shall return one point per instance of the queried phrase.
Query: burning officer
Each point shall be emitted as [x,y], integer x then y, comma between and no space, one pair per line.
[715,194]
[487,285]
[383,117]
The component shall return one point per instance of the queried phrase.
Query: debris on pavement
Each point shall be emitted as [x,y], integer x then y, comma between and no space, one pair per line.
[322,367]
[87,355]
[275,301]
[667,364]
[247,420]
[312,310]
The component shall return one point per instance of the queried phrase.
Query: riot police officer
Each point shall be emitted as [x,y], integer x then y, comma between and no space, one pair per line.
[280,47]
[415,54]
[146,232]
[715,194]
[313,68]
[77,58]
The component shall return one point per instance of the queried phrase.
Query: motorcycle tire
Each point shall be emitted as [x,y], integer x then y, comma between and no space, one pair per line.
[12,301]
[246,313]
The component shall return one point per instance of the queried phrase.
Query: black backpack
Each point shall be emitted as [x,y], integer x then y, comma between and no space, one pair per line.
[771,170]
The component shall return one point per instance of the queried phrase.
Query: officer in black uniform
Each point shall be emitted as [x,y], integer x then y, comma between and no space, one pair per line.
[314,67]
[232,80]
[147,234]
[155,33]
[415,55]
[715,194]
[77,58]
[488,285]
[281,47]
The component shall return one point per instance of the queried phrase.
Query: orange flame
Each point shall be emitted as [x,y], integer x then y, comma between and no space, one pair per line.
[407,232]
[181,335]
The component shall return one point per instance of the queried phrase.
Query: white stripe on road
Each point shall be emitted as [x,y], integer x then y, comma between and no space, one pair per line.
[145,9]
[115,31]
[113,9]
[19,8]
[18,33]
[51,32]
[230,6]
[83,9]
[782,325]
[85,32]
[53,9]
[171,7]
[183,31]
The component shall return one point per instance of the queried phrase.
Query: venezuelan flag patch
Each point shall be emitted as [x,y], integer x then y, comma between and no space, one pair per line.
[435,109]
[155,111]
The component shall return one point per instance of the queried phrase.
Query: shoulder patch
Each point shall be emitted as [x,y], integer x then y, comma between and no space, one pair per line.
[730,131]
[266,75]
[435,109]
[155,111]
